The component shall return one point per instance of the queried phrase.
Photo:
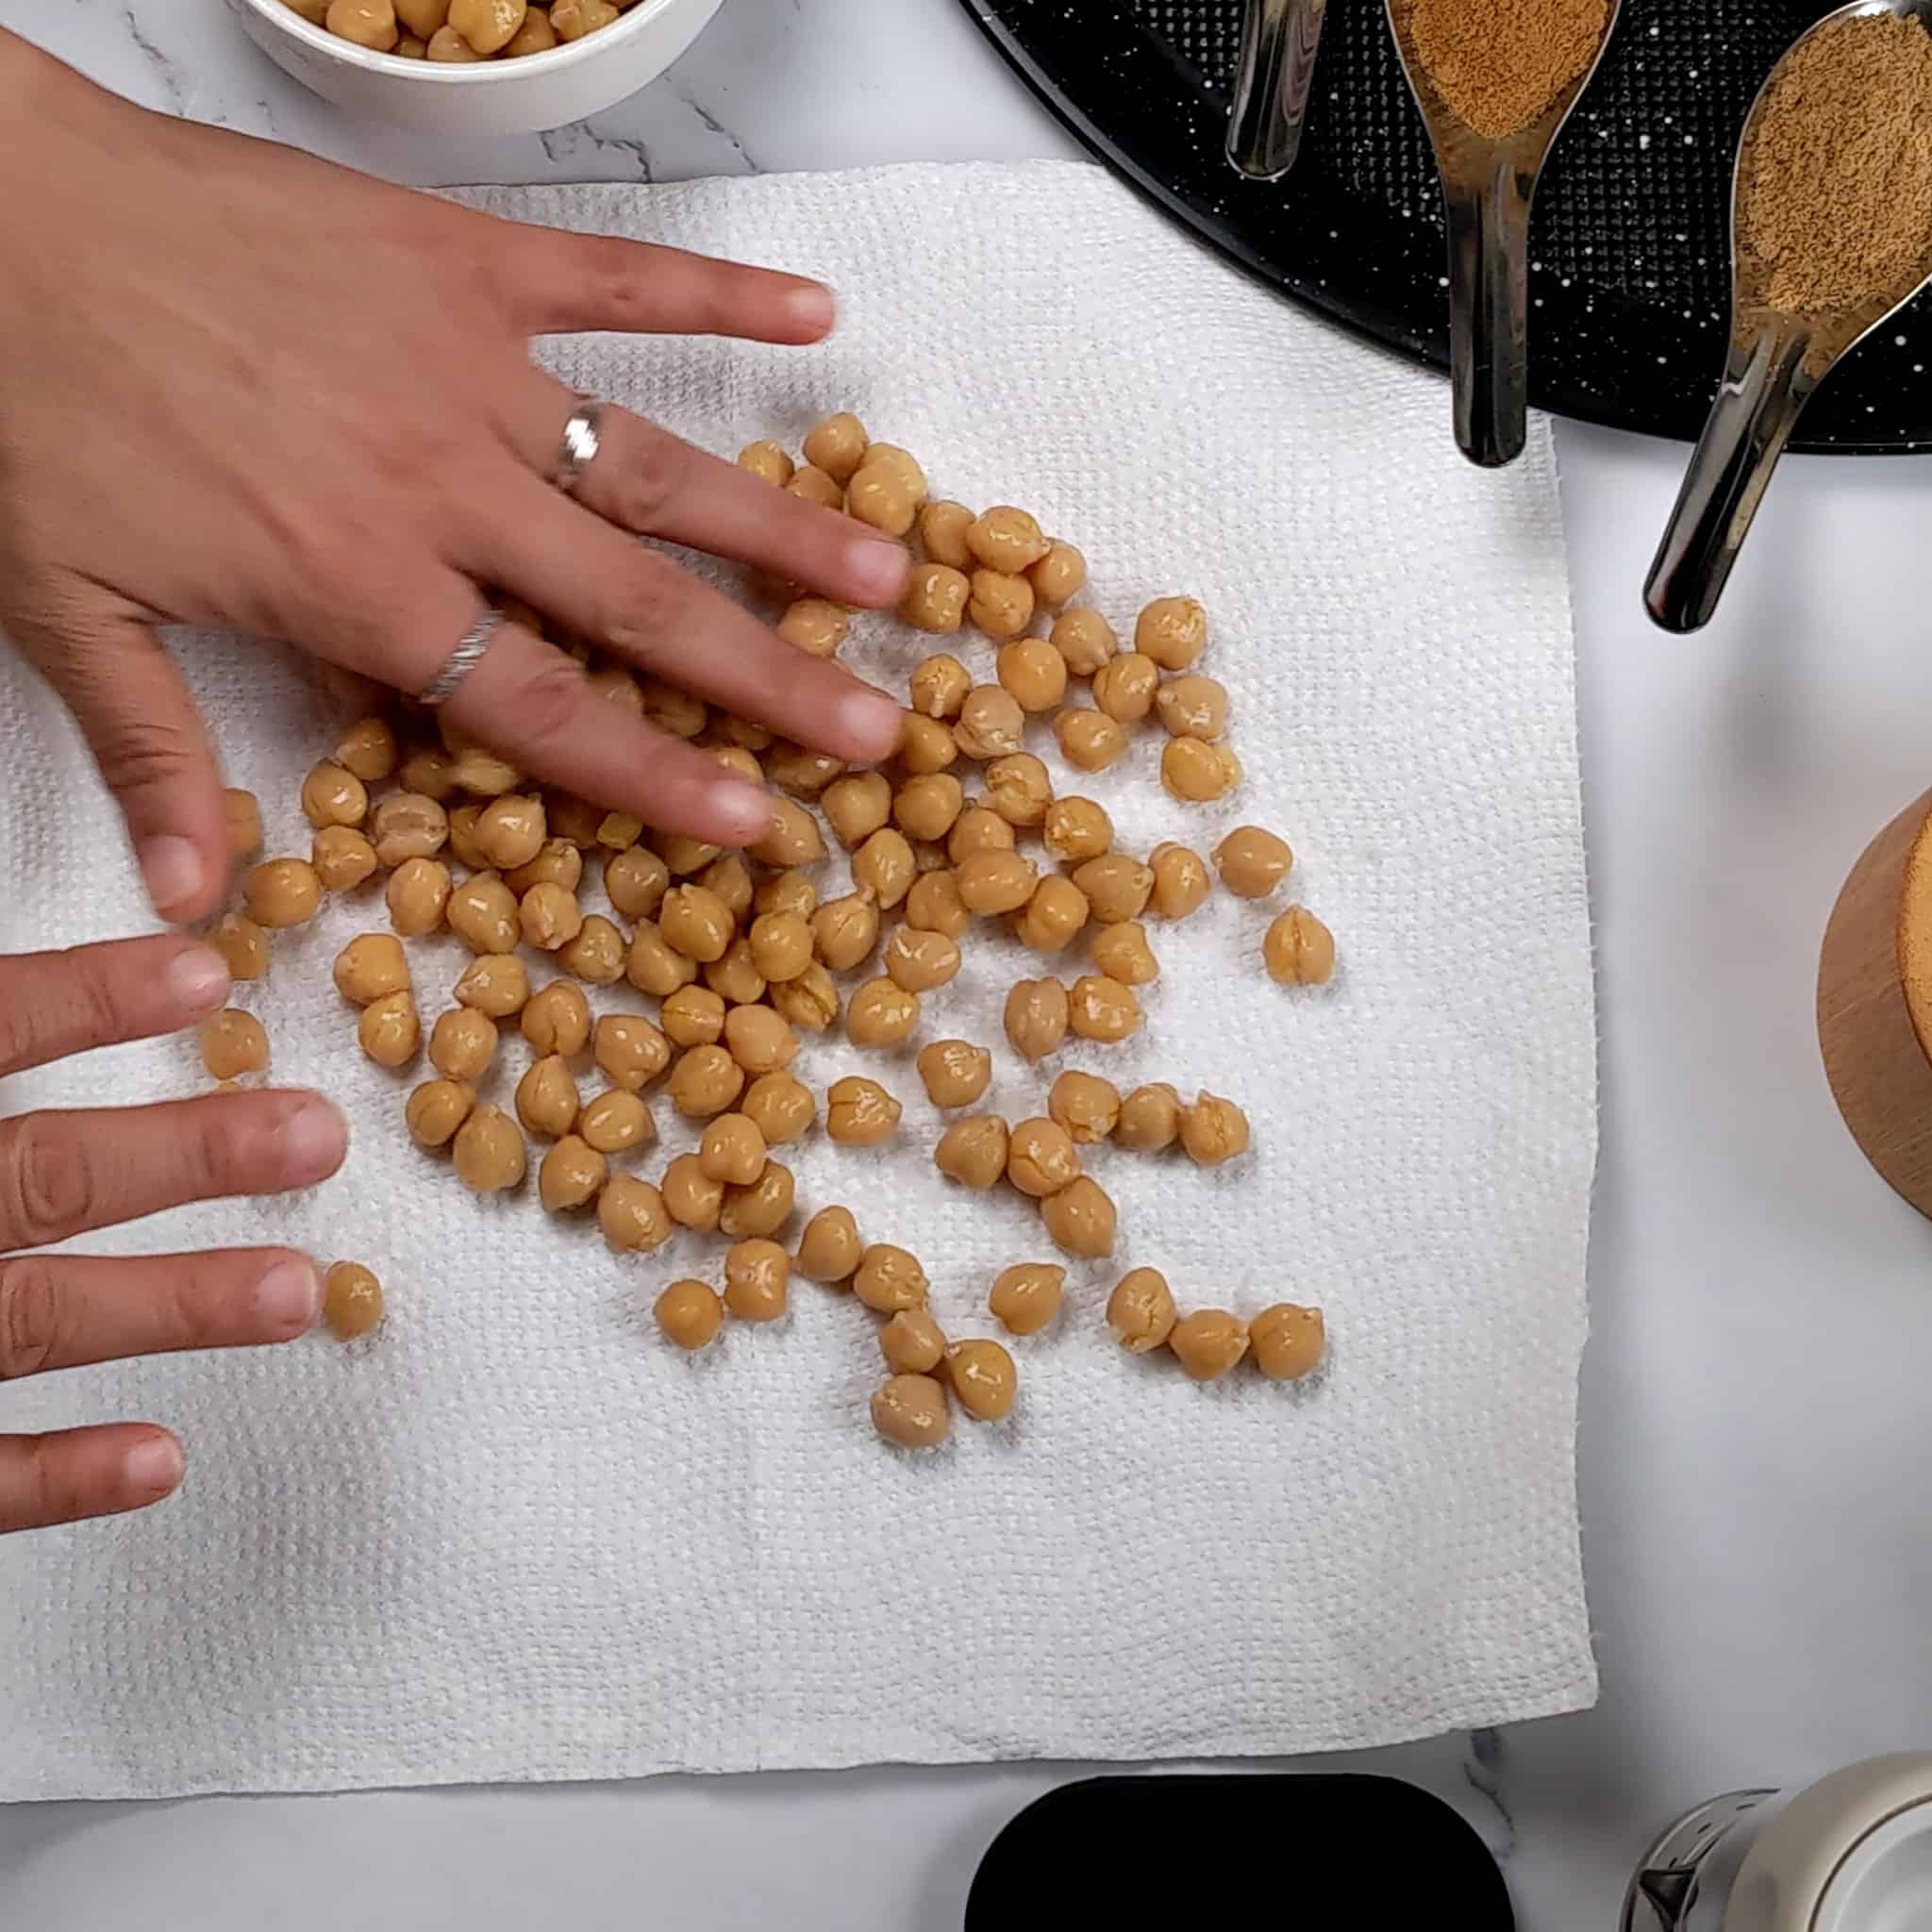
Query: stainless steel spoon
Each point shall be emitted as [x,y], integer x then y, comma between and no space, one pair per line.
[1279,42]
[1486,190]
[1777,360]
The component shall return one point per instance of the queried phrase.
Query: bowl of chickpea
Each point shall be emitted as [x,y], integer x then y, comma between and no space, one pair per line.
[473,66]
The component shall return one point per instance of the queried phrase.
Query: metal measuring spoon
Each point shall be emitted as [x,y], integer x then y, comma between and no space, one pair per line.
[1777,360]
[1486,189]
[1279,42]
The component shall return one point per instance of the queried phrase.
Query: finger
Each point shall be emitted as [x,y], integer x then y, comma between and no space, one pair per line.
[57,1004]
[558,283]
[134,711]
[62,1173]
[104,1471]
[645,479]
[59,1312]
[620,593]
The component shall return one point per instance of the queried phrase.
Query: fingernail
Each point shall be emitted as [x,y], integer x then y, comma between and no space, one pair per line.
[314,1138]
[170,870]
[878,569]
[742,807]
[198,980]
[154,1465]
[288,1298]
[811,306]
[871,721]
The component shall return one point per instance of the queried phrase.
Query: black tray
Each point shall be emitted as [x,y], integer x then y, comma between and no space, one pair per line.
[1629,281]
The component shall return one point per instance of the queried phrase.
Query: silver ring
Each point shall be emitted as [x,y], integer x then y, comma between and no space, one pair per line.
[577,448]
[463,659]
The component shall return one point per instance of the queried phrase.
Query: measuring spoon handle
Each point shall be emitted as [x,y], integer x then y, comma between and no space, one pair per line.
[1764,387]
[1489,309]
[1279,42]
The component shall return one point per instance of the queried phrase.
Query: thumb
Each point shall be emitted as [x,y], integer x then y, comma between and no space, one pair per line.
[134,709]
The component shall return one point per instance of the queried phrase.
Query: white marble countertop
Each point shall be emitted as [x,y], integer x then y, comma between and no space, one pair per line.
[1757,1536]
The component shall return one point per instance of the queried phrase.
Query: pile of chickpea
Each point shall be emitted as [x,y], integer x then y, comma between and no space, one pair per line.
[459,31]
[739,953]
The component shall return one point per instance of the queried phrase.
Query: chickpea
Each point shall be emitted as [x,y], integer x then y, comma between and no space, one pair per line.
[860,1112]
[557,1020]
[1117,886]
[463,1044]
[629,1051]
[488,26]
[694,921]
[684,855]
[233,1043]
[788,891]
[1209,1344]
[1033,673]
[633,1215]
[1057,575]
[732,1150]
[429,771]
[367,22]
[511,830]
[990,722]
[1126,686]
[488,1152]
[689,1312]
[877,495]
[636,880]
[463,838]
[693,1016]
[558,863]
[793,768]
[408,825]
[814,626]
[570,1176]
[1214,1130]
[998,605]
[1102,1008]
[368,749]
[1007,540]
[910,1411]
[829,1249]
[735,977]
[885,866]
[243,946]
[761,1208]
[1299,950]
[1150,1118]
[1054,915]
[837,445]
[881,1013]
[974,1151]
[1036,1017]
[1026,1297]
[956,1072]
[483,913]
[351,1301]
[1192,707]
[1085,640]
[928,807]
[418,895]
[1140,1310]
[728,880]
[1180,880]
[571,19]
[343,857]
[1019,788]
[389,1030]
[760,1039]
[779,1106]
[1087,1107]
[370,967]
[616,1122]
[942,527]
[332,796]
[1089,740]
[1196,772]
[1287,1341]
[938,687]
[845,930]
[241,814]
[282,893]
[934,905]
[483,774]
[423,17]
[935,598]
[1121,952]
[920,961]
[550,917]
[811,1002]
[705,1081]
[812,483]
[654,966]
[1042,1158]
[436,1110]
[983,1377]
[857,806]
[990,883]
[766,462]
[546,1097]
[897,462]
[691,1198]
[1081,1219]
[978,829]
[1075,829]
[1172,631]
[781,944]
[598,953]
[888,1279]
[913,1343]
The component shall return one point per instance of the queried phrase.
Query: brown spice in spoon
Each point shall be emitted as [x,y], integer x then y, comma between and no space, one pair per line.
[1834,187]
[1499,64]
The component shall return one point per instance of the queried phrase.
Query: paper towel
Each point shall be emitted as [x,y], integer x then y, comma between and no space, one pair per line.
[518,1535]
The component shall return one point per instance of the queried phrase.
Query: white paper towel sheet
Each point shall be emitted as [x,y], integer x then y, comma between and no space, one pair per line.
[518,1535]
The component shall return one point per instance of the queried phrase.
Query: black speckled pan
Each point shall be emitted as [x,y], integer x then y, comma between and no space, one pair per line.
[1630,251]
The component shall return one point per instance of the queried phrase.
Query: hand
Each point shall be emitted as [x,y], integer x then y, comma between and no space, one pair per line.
[62,1174]
[244,386]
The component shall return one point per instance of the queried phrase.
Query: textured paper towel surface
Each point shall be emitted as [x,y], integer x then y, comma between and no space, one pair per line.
[519,1536]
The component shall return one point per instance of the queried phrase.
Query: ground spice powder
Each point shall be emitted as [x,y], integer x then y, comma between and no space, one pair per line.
[1499,64]
[1834,202]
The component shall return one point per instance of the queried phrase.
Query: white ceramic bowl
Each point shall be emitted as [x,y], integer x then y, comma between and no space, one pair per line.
[521,97]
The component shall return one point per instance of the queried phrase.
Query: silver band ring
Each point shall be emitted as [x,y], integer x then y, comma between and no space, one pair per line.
[468,654]
[577,448]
